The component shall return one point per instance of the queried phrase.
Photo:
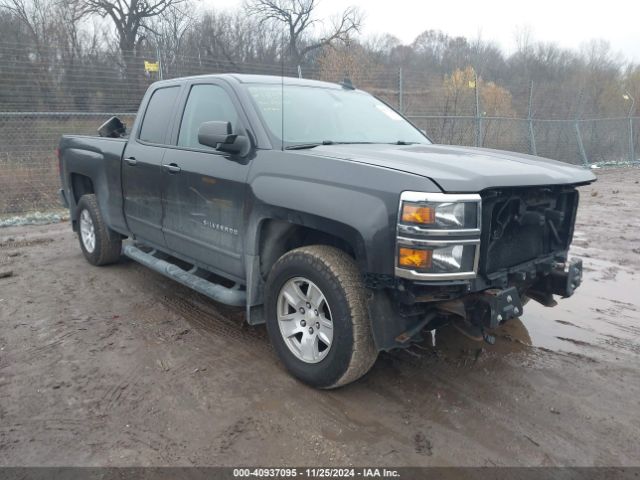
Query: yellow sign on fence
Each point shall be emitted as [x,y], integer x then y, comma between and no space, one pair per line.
[151,66]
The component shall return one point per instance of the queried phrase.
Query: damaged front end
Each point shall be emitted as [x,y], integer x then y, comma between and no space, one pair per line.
[474,260]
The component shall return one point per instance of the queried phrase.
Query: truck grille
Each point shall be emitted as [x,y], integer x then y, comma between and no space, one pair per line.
[521,225]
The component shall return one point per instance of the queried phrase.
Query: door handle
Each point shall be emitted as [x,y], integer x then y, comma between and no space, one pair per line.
[172,168]
[131,161]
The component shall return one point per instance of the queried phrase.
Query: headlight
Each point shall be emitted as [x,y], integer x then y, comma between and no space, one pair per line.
[448,259]
[438,236]
[437,258]
[441,216]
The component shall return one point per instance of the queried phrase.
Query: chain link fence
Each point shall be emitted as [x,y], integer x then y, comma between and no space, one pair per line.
[579,142]
[29,177]
[38,104]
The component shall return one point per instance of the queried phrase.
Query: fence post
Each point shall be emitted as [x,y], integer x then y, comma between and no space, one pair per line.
[532,138]
[631,145]
[583,153]
[478,115]
[160,73]
[628,96]
[400,92]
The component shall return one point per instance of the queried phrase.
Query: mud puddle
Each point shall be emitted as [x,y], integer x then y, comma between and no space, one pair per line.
[602,320]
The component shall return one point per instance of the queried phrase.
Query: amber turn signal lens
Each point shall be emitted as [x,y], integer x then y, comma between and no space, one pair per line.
[418,214]
[410,257]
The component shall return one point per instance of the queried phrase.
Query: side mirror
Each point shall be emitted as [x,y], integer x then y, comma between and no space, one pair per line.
[219,135]
[113,128]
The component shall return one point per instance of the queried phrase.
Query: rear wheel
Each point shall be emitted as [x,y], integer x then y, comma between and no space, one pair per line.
[99,244]
[317,316]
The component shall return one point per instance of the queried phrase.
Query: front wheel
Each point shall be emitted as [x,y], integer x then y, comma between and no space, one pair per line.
[99,245]
[317,316]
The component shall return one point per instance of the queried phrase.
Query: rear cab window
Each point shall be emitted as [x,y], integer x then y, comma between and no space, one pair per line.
[158,115]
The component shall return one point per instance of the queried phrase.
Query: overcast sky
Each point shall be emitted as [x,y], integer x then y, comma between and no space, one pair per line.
[568,23]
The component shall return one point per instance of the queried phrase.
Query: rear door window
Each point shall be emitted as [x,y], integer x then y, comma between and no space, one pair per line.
[158,115]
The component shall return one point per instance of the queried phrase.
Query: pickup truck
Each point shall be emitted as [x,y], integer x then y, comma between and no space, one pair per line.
[325,214]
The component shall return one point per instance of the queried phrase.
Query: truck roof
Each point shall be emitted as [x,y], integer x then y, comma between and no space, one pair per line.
[247,78]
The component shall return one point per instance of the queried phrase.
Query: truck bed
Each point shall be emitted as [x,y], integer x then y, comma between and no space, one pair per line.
[98,158]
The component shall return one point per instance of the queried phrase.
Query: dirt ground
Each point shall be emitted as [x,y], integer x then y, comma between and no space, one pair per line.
[120,366]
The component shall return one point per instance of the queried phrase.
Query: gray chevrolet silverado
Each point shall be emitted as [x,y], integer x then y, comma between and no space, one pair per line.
[324,213]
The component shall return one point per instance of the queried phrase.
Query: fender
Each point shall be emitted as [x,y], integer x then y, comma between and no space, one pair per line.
[340,197]
[348,200]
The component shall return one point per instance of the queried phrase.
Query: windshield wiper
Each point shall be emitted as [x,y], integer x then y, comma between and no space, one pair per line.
[303,146]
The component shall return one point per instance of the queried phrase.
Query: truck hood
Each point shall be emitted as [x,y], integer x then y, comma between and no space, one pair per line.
[462,169]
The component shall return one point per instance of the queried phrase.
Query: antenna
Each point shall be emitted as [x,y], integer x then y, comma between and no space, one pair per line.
[282,97]
[282,106]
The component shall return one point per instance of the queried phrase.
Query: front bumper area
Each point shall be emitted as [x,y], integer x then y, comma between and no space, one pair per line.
[398,318]
[563,280]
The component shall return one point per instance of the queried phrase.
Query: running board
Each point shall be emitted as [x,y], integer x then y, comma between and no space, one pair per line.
[229,296]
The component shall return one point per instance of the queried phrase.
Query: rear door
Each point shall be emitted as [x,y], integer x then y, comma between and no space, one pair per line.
[142,174]
[205,189]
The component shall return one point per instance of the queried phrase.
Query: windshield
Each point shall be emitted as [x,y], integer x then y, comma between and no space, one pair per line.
[314,115]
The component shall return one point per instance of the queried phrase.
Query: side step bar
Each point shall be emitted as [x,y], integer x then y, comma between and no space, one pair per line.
[229,296]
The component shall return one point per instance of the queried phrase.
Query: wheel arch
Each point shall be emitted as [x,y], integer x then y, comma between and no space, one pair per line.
[81,184]
[270,237]
[275,237]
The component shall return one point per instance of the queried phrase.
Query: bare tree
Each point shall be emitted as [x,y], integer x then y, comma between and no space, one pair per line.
[67,17]
[170,28]
[35,15]
[299,20]
[130,18]
[350,60]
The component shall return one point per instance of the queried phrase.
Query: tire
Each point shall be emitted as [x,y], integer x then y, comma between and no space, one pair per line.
[342,312]
[103,246]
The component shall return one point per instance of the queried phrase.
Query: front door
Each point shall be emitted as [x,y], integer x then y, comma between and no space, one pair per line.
[142,174]
[205,189]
